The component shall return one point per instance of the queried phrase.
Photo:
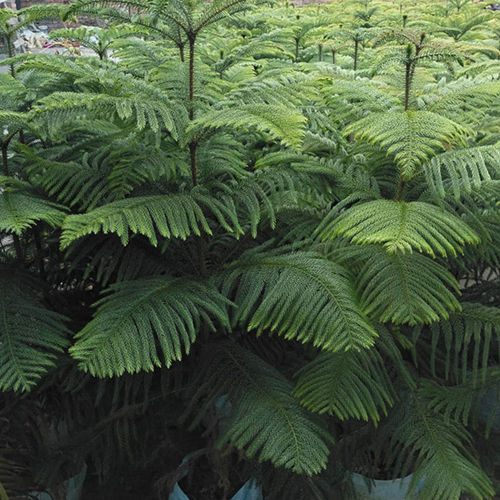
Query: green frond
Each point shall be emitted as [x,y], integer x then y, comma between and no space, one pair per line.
[20,210]
[140,55]
[170,216]
[13,91]
[401,227]
[300,296]
[411,137]
[266,421]
[407,288]
[30,335]
[462,170]
[443,456]
[277,122]
[141,108]
[140,319]
[362,95]
[72,183]
[217,10]
[462,344]
[285,90]
[455,403]
[464,402]
[12,121]
[463,94]
[352,384]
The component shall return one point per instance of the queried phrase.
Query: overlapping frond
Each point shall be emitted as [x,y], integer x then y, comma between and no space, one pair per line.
[362,95]
[12,121]
[401,227]
[30,335]
[467,402]
[411,137]
[277,122]
[70,182]
[265,421]
[170,216]
[406,288]
[20,210]
[453,99]
[352,384]
[300,296]
[443,457]
[463,344]
[141,108]
[461,170]
[140,319]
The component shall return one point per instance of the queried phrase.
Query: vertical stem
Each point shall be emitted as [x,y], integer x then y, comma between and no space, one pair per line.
[296,50]
[320,52]
[399,191]
[407,84]
[356,49]
[333,56]
[191,77]
[12,53]
[193,144]
[181,51]
[5,159]
[410,67]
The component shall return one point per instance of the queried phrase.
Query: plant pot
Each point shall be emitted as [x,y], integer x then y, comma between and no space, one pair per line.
[489,409]
[377,489]
[73,487]
[249,491]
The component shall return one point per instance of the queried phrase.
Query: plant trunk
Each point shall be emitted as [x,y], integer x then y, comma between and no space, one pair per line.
[296,50]
[5,159]
[320,52]
[333,55]
[401,185]
[193,144]
[407,85]
[12,53]
[356,50]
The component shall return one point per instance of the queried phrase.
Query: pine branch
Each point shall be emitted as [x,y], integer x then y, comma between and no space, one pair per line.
[300,296]
[266,421]
[142,318]
[346,384]
[401,227]
[30,334]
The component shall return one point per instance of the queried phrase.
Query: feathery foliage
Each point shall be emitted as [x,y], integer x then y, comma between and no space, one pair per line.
[300,296]
[123,335]
[402,227]
[30,334]
[20,210]
[170,216]
[266,420]
[281,222]
[346,384]
[411,137]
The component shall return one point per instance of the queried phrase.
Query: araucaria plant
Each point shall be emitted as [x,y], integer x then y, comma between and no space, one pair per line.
[260,238]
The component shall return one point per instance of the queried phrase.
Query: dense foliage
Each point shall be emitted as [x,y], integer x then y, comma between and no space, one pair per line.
[292,209]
